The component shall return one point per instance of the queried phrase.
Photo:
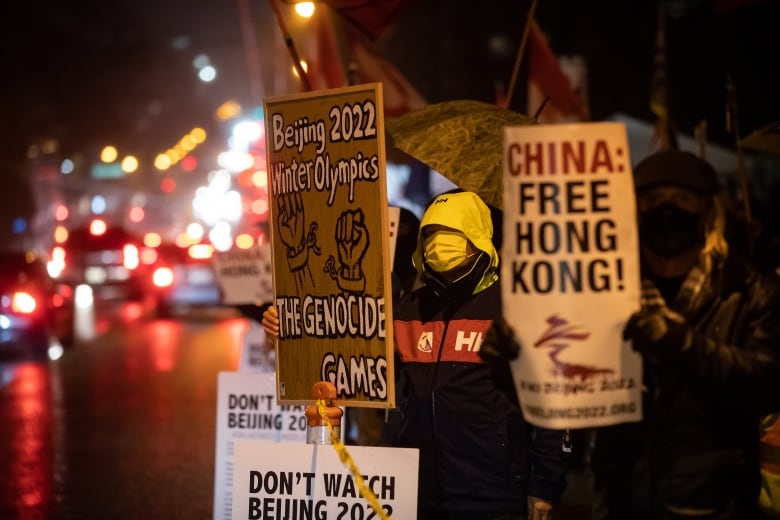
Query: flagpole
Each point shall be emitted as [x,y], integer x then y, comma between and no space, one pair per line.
[732,125]
[288,41]
[250,49]
[520,51]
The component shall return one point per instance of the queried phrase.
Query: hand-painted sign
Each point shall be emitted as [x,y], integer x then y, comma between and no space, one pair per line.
[570,273]
[329,237]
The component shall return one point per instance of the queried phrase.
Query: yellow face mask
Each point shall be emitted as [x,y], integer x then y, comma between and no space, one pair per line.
[445,250]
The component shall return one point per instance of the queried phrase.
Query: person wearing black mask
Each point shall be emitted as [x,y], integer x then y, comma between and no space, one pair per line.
[479,459]
[708,331]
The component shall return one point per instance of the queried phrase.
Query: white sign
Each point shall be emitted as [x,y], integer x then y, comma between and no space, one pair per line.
[256,354]
[308,481]
[393,222]
[247,409]
[245,275]
[570,273]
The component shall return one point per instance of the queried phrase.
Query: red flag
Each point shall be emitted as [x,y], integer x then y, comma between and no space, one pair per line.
[371,17]
[368,66]
[327,68]
[547,79]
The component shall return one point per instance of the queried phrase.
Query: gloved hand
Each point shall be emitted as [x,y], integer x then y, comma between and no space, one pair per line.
[539,509]
[656,331]
[500,343]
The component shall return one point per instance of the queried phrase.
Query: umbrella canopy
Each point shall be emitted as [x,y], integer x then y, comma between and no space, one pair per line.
[462,140]
[765,139]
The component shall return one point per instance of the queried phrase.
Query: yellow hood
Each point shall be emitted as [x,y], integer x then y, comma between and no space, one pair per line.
[467,213]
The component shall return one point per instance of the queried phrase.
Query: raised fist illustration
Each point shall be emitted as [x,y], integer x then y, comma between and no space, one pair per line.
[352,241]
[291,229]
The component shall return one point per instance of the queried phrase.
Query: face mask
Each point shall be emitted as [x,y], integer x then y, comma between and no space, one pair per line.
[459,288]
[445,250]
[669,231]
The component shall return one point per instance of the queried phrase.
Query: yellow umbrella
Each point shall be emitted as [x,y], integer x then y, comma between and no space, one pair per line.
[462,140]
[766,139]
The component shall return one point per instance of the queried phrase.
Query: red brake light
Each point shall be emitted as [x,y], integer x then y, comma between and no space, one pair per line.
[162,277]
[23,303]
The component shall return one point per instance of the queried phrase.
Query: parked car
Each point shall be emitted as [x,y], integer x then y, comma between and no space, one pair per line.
[34,309]
[184,278]
[108,260]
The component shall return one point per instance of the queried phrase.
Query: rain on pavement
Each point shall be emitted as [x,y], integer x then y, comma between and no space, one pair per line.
[121,426]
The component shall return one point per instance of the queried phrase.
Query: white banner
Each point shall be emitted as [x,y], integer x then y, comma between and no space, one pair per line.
[299,481]
[247,409]
[570,273]
[245,275]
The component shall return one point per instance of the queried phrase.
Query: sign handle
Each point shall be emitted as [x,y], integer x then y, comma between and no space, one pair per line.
[324,427]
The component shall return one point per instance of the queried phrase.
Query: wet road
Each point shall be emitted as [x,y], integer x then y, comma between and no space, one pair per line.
[122,426]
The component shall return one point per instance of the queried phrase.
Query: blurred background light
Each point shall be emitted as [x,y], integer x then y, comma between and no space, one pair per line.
[108,154]
[304,9]
[207,74]
[67,167]
[98,204]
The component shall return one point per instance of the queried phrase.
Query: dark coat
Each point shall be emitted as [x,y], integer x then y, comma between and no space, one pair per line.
[696,447]
[477,454]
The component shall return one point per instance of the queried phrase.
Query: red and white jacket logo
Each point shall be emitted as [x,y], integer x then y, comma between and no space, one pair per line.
[425,342]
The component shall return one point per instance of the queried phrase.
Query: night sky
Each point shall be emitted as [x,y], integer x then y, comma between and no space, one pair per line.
[91,72]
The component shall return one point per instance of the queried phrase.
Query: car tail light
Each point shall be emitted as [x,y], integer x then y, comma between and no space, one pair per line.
[23,302]
[130,257]
[162,277]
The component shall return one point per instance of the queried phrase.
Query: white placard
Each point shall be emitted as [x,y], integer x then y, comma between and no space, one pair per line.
[393,222]
[570,273]
[300,481]
[245,275]
[247,409]
[256,356]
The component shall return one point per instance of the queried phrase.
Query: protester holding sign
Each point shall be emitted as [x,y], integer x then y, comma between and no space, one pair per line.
[479,459]
[709,335]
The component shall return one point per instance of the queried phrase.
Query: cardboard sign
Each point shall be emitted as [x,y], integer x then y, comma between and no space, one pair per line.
[299,481]
[329,237]
[247,409]
[244,275]
[570,273]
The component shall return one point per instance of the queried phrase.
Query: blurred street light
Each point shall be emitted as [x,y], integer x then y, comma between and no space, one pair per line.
[108,154]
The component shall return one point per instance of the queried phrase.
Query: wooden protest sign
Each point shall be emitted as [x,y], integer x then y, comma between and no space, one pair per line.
[329,240]
[570,273]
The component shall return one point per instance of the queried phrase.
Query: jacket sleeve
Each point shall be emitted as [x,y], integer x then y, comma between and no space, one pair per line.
[747,361]
[549,464]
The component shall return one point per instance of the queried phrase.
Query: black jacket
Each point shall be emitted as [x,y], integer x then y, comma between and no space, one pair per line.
[476,452]
[696,446]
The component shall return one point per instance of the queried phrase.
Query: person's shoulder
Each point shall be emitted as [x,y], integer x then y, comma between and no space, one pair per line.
[764,281]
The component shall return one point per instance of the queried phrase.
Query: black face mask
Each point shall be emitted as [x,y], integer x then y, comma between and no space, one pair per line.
[462,288]
[669,231]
